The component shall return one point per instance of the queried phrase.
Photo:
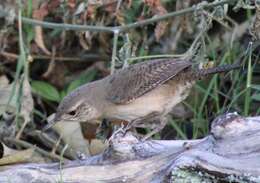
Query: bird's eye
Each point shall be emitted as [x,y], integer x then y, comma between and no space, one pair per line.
[72,113]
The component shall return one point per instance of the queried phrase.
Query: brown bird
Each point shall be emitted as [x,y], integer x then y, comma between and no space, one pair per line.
[142,91]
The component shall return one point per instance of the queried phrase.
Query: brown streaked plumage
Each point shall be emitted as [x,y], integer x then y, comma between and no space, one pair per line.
[146,90]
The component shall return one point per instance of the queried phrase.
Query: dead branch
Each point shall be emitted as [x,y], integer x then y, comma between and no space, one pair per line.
[231,152]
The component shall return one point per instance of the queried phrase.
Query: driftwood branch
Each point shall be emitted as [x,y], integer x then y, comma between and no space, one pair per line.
[231,153]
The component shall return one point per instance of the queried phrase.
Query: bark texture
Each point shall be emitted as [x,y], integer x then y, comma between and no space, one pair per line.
[231,152]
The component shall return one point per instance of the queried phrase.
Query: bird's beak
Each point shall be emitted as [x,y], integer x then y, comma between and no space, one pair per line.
[50,124]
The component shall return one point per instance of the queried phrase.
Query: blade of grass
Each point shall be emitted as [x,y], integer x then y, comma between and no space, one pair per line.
[248,82]
[210,86]
[178,129]
[21,64]
[203,90]
[62,162]
[216,96]
[236,97]
[258,112]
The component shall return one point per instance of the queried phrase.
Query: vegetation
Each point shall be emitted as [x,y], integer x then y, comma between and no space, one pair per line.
[42,64]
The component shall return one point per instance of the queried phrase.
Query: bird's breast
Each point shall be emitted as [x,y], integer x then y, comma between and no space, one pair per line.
[159,100]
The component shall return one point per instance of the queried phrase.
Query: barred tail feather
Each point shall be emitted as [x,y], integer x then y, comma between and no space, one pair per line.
[217,69]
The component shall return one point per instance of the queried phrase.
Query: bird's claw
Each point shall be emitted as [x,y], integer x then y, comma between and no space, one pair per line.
[119,132]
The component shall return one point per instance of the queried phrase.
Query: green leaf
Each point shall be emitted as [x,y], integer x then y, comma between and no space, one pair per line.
[63,94]
[29,8]
[83,78]
[55,33]
[45,90]
[29,33]
[256,97]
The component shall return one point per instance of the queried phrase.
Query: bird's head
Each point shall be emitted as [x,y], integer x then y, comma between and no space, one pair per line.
[75,108]
[80,111]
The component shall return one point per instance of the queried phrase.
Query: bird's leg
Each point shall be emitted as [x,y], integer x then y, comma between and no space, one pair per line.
[158,127]
[130,125]
[120,130]
[144,121]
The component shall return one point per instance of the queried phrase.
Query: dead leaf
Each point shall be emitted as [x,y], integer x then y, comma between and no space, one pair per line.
[85,40]
[27,100]
[27,105]
[80,9]
[24,156]
[7,151]
[5,90]
[129,3]
[53,5]
[39,40]
[91,11]
[10,8]
[72,135]
[160,29]
[156,6]
[97,146]
[39,15]
[158,10]
[57,74]
[72,4]
[89,130]
[4,82]
[110,6]
[185,21]
[120,17]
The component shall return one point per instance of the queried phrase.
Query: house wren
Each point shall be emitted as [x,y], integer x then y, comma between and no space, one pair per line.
[141,91]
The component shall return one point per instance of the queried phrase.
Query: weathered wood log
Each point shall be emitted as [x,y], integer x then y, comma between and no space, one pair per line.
[230,153]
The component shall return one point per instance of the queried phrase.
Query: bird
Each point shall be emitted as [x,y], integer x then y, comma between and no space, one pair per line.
[140,92]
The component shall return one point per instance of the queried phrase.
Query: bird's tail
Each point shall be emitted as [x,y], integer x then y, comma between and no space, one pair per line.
[218,69]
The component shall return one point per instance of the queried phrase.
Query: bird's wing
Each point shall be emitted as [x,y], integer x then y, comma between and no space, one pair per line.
[136,80]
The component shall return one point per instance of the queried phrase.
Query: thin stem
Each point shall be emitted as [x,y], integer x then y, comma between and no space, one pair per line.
[178,129]
[219,21]
[17,88]
[25,66]
[65,26]
[61,161]
[122,28]
[216,96]
[248,82]
[83,58]
[207,94]
[173,14]
[235,98]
